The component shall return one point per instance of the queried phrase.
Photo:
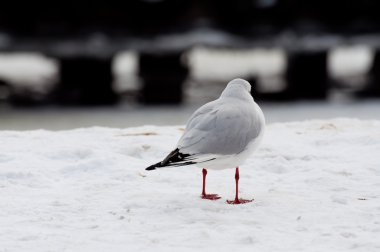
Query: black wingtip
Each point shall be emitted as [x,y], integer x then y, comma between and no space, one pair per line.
[153,167]
[150,168]
[175,158]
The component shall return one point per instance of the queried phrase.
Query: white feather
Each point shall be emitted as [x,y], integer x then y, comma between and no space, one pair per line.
[223,133]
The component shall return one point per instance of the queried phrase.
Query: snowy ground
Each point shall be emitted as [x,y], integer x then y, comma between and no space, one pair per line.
[316,186]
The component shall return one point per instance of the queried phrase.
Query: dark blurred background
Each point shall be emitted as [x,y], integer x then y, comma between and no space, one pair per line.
[118,58]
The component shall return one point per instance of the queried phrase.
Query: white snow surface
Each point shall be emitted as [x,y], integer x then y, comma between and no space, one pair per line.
[316,186]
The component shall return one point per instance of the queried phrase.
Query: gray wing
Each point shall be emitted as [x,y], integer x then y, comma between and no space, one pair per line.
[220,128]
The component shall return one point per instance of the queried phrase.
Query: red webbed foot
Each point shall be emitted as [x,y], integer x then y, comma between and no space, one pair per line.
[238,201]
[210,196]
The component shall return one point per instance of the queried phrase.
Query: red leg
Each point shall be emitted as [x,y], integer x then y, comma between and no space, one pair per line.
[237,200]
[204,195]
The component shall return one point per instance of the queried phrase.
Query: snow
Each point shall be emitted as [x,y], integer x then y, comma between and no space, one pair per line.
[341,63]
[31,71]
[315,183]
[211,64]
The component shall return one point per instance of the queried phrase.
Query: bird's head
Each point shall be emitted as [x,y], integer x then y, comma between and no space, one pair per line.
[241,83]
[237,87]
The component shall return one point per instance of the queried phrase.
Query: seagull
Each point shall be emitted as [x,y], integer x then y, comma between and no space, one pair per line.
[219,135]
